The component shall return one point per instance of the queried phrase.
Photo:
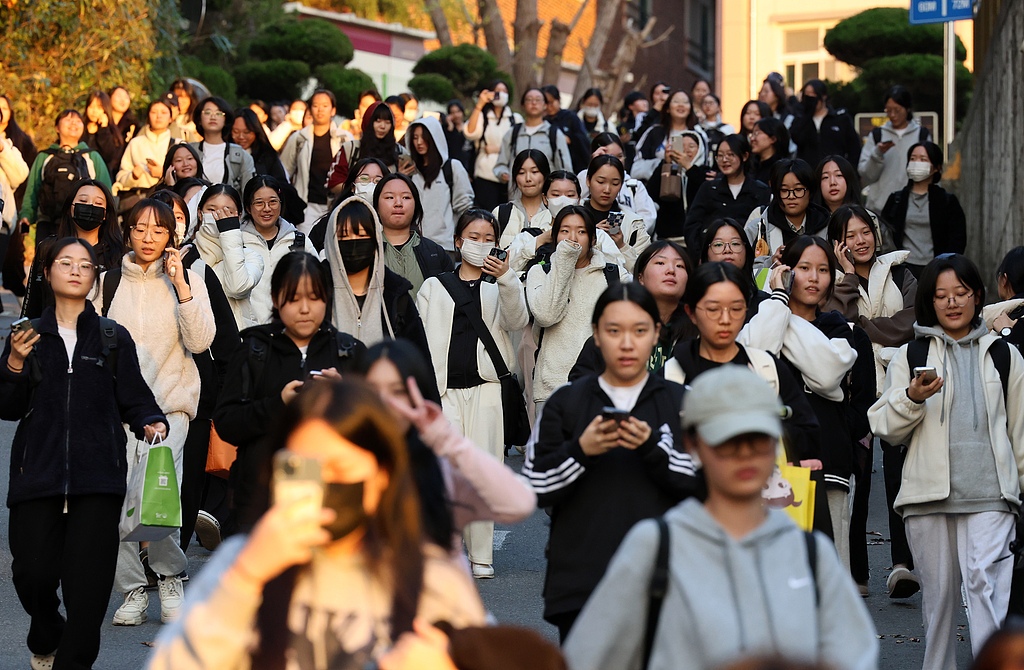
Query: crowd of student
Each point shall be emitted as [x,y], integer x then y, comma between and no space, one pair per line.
[403,297]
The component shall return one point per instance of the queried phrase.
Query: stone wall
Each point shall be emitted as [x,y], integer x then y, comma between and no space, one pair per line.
[990,147]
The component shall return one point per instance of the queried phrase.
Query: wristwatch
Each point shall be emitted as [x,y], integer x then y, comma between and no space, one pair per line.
[1005,332]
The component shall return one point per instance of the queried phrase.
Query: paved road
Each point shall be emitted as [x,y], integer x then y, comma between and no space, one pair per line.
[514,596]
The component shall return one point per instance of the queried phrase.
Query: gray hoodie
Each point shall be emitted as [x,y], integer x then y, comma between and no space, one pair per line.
[727,599]
[442,206]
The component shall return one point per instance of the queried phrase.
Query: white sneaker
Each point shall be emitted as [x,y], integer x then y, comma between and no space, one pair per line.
[902,583]
[133,611]
[208,530]
[42,662]
[483,571]
[172,595]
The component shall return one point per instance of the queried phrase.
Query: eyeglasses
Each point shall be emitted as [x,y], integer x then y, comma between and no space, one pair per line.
[367,179]
[719,247]
[139,232]
[715,311]
[65,265]
[260,204]
[211,113]
[759,447]
[955,300]
[797,192]
[725,157]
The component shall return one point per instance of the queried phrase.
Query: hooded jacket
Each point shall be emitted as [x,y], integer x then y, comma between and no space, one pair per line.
[261,302]
[238,165]
[236,258]
[632,196]
[147,144]
[489,132]
[925,427]
[298,152]
[562,302]
[650,152]
[770,223]
[13,173]
[351,153]
[442,205]
[595,500]
[883,173]
[387,294]
[671,219]
[93,161]
[69,439]
[945,217]
[727,599]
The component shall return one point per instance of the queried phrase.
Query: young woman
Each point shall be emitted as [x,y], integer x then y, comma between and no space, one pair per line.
[818,130]
[601,474]
[876,292]
[263,223]
[663,269]
[223,161]
[789,215]
[360,561]
[752,112]
[469,385]
[605,177]
[124,117]
[444,197]
[821,348]
[184,126]
[588,109]
[67,468]
[181,162]
[883,164]
[489,122]
[366,292]
[726,242]
[732,194]
[716,303]
[363,177]
[526,209]
[101,133]
[838,185]
[633,195]
[1003,317]
[964,429]
[167,310]
[535,132]
[12,134]
[762,582]
[140,164]
[768,142]
[773,94]
[926,219]
[377,141]
[235,255]
[13,173]
[712,123]
[690,166]
[406,252]
[561,294]
[459,148]
[655,146]
[247,132]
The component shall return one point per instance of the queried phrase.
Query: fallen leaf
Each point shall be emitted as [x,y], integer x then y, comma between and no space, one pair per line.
[148,644]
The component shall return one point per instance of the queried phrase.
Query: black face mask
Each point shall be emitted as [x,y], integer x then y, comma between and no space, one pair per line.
[347,502]
[357,254]
[88,217]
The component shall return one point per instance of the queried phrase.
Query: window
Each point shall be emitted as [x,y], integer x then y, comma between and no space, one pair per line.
[701,36]
[639,11]
[808,71]
[800,41]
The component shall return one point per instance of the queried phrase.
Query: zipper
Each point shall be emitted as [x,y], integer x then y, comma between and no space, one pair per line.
[67,434]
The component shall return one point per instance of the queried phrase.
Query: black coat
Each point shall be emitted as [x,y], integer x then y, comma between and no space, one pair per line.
[70,439]
[837,136]
[576,134]
[671,221]
[595,500]
[110,144]
[762,170]
[714,200]
[432,258]
[948,223]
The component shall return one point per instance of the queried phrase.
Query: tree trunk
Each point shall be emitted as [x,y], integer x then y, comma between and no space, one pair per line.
[526,28]
[607,12]
[495,34]
[622,63]
[440,21]
[557,41]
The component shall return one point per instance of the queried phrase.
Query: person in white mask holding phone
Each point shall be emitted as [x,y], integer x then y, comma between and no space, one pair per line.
[526,209]
[469,384]
[925,218]
[490,119]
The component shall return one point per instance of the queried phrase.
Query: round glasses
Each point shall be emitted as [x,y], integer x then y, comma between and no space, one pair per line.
[955,300]
[65,266]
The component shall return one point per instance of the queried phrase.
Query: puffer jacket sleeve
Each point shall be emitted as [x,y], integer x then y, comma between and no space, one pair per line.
[521,251]
[13,165]
[894,416]
[241,268]
[195,317]
[462,190]
[548,293]
[513,314]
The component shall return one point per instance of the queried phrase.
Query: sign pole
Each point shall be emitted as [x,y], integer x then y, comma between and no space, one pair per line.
[948,87]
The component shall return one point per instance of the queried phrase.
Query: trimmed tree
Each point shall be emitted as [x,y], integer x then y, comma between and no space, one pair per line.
[345,83]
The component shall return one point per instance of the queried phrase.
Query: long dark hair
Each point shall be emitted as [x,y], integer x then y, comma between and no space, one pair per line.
[707,275]
[163,214]
[666,115]
[795,250]
[255,184]
[175,148]
[110,247]
[14,131]
[348,189]
[840,221]
[1012,266]
[934,157]
[849,173]
[392,542]
[221,189]
[679,326]
[776,130]
[107,109]
[762,108]
[740,146]
[261,143]
[186,86]
[588,223]
[222,105]
[428,165]
[801,170]
[633,292]
[386,148]
[539,159]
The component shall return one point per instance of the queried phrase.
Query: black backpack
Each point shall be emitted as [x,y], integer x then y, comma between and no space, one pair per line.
[60,173]
[504,214]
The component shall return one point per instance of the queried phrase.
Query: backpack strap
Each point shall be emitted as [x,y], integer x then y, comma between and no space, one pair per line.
[465,303]
[611,273]
[917,354]
[252,370]
[504,214]
[876,135]
[656,590]
[108,336]
[111,280]
[299,243]
[515,138]
[446,169]
[1000,353]
[553,139]
[923,134]
[899,275]
[812,560]
[347,345]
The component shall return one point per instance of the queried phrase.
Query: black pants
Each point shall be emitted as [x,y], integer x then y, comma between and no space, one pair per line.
[893,456]
[76,552]
[489,194]
[563,622]
[193,476]
[859,517]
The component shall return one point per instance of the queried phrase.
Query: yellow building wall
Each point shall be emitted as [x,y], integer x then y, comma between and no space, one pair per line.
[760,36]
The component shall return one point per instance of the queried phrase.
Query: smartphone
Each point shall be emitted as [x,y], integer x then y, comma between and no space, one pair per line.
[24,324]
[297,478]
[849,256]
[314,374]
[404,162]
[614,222]
[926,375]
[677,143]
[614,414]
[501,255]
[787,281]
[889,135]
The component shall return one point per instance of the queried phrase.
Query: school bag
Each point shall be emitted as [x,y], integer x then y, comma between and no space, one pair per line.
[60,172]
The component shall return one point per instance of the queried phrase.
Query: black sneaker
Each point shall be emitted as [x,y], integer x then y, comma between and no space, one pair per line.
[151,579]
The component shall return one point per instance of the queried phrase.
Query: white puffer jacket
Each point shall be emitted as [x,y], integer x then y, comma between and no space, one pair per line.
[13,172]
[146,144]
[235,257]
[261,302]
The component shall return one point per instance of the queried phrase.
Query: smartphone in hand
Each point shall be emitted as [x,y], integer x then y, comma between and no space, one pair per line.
[614,222]
[501,255]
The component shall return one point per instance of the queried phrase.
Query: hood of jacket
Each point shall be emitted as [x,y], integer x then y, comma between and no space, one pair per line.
[433,126]
[346,314]
[702,147]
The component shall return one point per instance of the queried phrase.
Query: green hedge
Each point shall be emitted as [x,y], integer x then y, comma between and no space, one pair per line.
[271,79]
[345,83]
[313,41]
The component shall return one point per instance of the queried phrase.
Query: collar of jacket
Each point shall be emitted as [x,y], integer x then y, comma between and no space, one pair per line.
[48,319]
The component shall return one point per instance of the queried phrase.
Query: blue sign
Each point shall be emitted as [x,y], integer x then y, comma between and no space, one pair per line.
[940,11]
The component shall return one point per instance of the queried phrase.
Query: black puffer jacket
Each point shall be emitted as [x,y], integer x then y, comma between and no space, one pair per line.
[70,439]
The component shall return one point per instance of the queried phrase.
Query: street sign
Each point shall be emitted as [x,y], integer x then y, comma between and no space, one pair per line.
[940,11]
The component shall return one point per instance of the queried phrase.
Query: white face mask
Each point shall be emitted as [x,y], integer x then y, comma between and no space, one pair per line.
[591,112]
[474,252]
[365,191]
[295,116]
[560,202]
[501,98]
[919,170]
